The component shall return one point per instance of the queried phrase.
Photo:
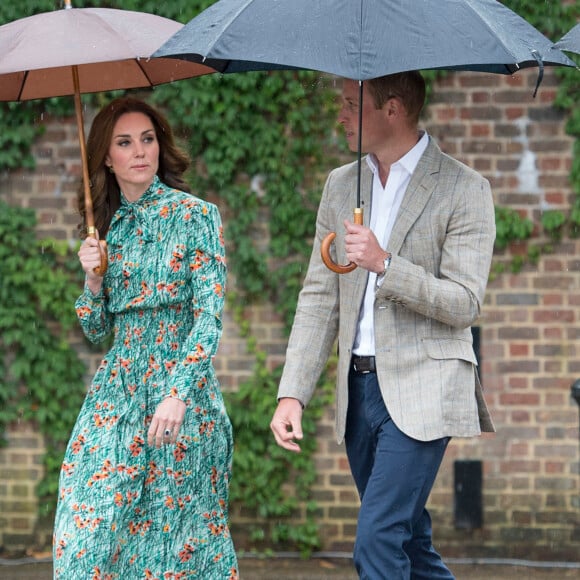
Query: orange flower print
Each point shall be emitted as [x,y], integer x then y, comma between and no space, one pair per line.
[78,444]
[216,530]
[177,258]
[137,445]
[68,469]
[186,553]
[195,357]
[121,501]
[206,428]
[83,311]
[179,451]
[59,550]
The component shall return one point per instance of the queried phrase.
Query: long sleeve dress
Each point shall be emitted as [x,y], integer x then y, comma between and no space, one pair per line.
[126,509]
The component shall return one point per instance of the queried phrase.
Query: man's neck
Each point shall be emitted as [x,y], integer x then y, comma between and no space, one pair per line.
[397,147]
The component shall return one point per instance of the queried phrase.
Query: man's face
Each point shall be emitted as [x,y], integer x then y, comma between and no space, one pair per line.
[375,127]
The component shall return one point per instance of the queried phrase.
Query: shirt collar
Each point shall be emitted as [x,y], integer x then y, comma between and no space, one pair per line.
[410,160]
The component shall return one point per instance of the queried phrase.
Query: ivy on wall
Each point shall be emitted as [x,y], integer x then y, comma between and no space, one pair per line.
[41,376]
[261,143]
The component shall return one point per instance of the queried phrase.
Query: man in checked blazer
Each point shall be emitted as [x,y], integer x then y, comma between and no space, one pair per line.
[407,378]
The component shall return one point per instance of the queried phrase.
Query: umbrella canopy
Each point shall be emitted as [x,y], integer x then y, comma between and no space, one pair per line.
[361,40]
[570,41]
[110,48]
[85,50]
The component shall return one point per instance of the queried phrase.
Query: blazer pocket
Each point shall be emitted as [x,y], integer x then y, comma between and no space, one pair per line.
[450,349]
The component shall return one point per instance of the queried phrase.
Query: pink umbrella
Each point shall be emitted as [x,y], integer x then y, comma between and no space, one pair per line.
[87,50]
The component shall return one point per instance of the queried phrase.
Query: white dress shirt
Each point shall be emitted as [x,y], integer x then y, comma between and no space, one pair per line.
[385,204]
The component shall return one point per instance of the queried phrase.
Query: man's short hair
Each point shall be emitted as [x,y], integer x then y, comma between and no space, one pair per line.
[408,87]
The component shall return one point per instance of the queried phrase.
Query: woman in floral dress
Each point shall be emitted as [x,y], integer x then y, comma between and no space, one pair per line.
[144,484]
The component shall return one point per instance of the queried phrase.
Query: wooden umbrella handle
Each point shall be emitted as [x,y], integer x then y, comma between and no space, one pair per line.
[102,267]
[327,241]
[89,216]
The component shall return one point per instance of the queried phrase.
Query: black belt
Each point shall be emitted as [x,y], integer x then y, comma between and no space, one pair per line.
[363,364]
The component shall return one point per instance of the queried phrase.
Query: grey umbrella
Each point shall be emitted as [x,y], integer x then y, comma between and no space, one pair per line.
[570,41]
[361,40]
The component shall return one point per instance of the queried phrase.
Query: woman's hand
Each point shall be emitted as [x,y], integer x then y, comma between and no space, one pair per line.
[166,422]
[90,258]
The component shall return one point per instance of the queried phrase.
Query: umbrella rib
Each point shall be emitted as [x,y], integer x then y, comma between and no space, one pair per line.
[138,60]
[22,85]
[485,22]
[238,12]
[533,53]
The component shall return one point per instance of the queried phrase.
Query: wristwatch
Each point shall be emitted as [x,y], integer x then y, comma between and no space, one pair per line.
[386,264]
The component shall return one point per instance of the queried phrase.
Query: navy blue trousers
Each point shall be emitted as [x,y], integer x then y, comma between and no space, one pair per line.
[394,475]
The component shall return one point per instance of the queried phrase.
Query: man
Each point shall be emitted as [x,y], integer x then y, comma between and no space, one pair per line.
[407,379]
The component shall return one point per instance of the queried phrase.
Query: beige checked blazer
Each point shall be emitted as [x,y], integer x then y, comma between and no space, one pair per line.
[441,244]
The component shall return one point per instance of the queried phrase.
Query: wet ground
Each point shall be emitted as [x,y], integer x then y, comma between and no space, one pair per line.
[331,569]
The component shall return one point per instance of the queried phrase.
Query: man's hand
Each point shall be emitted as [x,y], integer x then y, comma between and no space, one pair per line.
[287,424]
[363,248]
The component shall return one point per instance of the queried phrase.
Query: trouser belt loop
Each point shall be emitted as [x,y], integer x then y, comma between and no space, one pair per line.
[363,364]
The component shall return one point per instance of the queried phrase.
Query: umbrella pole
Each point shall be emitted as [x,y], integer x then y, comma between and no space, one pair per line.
[358,212]
[89,216]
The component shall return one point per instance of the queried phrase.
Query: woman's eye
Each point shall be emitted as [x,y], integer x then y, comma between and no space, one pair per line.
[123,143]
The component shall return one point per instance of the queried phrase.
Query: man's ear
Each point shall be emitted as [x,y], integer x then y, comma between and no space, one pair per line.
[393,107]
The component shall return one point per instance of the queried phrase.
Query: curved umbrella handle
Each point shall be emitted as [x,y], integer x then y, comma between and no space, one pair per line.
[327,241]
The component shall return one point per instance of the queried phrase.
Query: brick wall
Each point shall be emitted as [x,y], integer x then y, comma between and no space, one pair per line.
[529,337]
[529,326]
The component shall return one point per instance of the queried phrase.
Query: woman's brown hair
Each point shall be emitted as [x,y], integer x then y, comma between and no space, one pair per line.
[106,196]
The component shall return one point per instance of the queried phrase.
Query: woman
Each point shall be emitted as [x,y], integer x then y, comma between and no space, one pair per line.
[144,484]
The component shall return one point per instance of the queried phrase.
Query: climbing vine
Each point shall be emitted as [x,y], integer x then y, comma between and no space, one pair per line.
[41,376]
[263,142]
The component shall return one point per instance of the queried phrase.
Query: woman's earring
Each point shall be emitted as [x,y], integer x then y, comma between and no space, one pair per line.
[111,170]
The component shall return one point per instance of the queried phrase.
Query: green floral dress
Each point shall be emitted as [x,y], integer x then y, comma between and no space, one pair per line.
[127,510]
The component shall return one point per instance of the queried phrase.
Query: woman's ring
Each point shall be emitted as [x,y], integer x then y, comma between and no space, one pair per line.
[167,433]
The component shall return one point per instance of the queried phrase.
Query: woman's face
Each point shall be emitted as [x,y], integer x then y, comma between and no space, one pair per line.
[133,154]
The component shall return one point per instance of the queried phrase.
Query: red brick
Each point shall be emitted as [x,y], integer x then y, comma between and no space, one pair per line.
[530,399]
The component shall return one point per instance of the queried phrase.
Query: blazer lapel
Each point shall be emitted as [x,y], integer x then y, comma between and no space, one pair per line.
[366,187]
[420,188]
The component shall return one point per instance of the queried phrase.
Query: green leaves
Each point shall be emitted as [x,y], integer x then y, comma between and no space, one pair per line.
[510,227]
[41,376]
